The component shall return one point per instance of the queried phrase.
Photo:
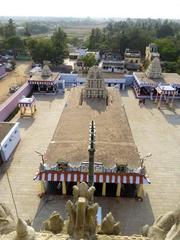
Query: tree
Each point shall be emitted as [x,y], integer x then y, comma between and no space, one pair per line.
[14,42]
[165,30]
[26,31]
[167,49]
[89,60]
[59,46]
[10,29]
[95,39]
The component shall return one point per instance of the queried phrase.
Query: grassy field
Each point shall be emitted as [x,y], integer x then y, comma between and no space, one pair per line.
[82,31]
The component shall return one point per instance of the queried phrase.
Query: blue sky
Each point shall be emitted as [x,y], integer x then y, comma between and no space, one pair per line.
[92,8]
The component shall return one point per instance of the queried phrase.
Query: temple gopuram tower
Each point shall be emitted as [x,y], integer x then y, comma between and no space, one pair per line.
[154,70]
[95,85]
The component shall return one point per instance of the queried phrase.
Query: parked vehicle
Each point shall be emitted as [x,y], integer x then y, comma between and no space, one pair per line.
[13,89]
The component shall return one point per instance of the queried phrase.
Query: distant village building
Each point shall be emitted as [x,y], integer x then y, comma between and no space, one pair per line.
[78,65]
[113,66]
[151,52]
[132,59]
[78,53]
[9,138]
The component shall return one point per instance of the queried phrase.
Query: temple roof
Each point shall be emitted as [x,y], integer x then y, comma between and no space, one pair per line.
[114,142]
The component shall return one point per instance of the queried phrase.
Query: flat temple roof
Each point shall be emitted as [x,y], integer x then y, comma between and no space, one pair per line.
[114,141]
[170,78]
[5,127]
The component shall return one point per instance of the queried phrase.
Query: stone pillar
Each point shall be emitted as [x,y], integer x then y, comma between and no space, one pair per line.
[42,187]
[123,86]
[21,111]
[104,189]
[140,192]
[159,103]
[118,190]
[64,188]
[171,103]
[156,97]
[151,96]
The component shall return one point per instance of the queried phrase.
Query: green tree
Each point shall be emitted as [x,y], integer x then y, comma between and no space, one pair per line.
[26,31]
[89,60]
[9,29]
[167,49]
[59,46]
[95,40]
[165,30]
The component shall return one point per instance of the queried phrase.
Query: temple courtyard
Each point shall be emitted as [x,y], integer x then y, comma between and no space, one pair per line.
[154,131]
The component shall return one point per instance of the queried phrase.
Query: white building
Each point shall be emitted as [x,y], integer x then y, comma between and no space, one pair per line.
[113,66]
[9,138]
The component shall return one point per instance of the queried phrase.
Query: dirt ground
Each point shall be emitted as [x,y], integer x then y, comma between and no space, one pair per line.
[16,77]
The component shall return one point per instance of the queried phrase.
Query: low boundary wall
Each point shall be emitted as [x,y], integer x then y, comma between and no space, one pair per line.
[12,102]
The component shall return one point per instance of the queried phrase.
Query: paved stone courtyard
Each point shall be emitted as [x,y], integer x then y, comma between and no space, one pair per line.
[154,131]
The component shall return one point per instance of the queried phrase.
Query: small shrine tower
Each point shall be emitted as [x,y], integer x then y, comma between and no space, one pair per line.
[95,85]
[154,70]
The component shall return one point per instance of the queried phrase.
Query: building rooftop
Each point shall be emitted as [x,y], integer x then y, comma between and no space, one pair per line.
[114,141]
[167,78]
[5,127]
[38,77]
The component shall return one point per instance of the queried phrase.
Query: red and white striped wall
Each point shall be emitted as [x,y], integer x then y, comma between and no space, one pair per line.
[41,82]
[128,178]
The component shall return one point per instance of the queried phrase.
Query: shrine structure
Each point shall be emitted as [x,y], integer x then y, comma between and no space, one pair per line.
[27,106]
[45,81]
[149,84]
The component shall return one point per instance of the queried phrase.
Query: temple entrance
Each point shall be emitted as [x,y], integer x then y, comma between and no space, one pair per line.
[54,188]
[128,190]
[69,187]
[98,187]
[111,189]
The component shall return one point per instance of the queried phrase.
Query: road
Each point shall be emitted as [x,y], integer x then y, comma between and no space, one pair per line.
[16,77]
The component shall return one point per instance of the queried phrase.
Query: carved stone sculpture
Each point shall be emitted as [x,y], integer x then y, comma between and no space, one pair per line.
[166,227]
[109,226]
[23,231]
[54,223]
[82,213]
[7,222]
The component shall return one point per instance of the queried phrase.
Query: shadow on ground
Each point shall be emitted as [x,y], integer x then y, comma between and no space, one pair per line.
[96,104]
[26,122]
[171,115]
[124,93]
[132,214]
